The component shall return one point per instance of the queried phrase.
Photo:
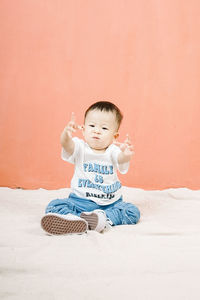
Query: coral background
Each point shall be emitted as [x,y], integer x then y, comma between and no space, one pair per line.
[61,56]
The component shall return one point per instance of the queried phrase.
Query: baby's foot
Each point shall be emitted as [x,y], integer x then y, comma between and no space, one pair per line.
[97,220]
[57,224]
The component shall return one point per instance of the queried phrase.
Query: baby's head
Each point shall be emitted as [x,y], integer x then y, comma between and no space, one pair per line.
[105,106]
[102,121]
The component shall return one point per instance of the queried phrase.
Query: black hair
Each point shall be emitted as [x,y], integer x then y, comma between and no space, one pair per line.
[106,106]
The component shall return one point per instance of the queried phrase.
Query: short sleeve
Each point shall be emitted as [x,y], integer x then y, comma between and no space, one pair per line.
[122,168]
[71,158]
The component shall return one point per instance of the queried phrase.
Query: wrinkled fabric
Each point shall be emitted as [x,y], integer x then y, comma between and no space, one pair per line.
[119,212]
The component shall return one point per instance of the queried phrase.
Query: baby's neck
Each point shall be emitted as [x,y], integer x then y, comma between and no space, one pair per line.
[98,150]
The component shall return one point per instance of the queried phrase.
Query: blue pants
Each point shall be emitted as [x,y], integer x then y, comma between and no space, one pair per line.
[119,212]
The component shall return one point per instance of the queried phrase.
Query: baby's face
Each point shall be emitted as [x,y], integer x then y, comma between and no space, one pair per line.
[100,129]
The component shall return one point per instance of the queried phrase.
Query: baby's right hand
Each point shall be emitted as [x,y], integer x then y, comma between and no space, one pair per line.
[72,126]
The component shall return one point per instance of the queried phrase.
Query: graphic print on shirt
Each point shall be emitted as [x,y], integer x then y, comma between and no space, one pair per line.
[95,175]
[98,173]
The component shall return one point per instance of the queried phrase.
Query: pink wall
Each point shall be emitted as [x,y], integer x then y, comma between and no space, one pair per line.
[61,56]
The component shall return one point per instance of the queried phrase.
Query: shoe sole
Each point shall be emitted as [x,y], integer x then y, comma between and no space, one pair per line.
[92,220]
[56,225]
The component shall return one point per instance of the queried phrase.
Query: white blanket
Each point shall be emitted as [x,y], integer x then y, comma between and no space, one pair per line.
[159,258]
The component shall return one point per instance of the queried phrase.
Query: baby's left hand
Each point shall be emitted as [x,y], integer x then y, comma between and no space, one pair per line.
[126,147]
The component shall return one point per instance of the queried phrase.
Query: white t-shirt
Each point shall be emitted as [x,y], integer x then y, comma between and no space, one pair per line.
[95,175]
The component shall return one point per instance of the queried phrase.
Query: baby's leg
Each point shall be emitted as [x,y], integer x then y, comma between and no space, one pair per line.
[62,206]
[62,217]
[72,204]
[123,213]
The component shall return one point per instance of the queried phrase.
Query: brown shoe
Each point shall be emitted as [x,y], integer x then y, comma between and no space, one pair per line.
[57,224]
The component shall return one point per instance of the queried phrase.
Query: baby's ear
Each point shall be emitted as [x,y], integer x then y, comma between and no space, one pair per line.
[116,135]
[82,127]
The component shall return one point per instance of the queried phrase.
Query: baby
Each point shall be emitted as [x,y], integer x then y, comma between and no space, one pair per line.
[95,201]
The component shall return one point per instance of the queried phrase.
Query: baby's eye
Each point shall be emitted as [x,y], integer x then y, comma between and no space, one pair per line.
[104,128]
[91,125]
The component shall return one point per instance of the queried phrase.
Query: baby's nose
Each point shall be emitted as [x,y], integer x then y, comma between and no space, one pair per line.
[96,129]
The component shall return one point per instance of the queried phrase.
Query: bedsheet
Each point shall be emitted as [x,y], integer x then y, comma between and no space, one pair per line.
[159,258]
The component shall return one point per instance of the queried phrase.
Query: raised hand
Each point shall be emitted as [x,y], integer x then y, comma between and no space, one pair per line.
[126,147]
[72,126]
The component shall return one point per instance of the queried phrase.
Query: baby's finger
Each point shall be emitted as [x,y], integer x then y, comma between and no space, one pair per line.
[131,147]
[127,140]
[71,124]
[73,118]
[70,128]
